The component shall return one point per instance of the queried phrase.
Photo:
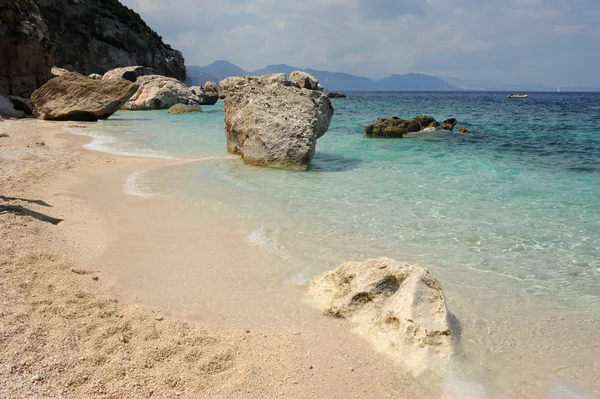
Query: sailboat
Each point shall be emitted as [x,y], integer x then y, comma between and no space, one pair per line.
[558,90]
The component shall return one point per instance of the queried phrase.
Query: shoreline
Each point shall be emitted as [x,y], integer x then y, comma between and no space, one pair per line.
[89,335]
[225,285]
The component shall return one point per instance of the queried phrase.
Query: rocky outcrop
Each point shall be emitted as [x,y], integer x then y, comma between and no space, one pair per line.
[95,76]
[26,53]
[205,97]
[304,80]
[396,304]
[397,127]
[160,92]
[95,36]
[76,97]
[7,109]
[462,129]
[211,87]
[336,95]
[273,124]
[130,73]
[184,109]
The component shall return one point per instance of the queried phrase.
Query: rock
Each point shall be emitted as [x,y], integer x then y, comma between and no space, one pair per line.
[76,97]
[303,80]
[21,104]
[160,92]
[448,124]
[234,81]
[95,76]
[205,98]
[7,109]
[396,127]
[159,318]
[211,87]
[56,71]
[184,109]
[395,304]
[130,73]
[94,36]
[336,95]
[462,129]
[3,135]
[273,124]
[26,52]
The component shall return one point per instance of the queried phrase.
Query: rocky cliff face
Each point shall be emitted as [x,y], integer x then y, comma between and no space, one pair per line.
[26,53]
[94,36]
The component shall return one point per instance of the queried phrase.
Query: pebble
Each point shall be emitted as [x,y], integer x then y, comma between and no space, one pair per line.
[4,134]
[247,331]
[36,377]
[159,318]
[95,278]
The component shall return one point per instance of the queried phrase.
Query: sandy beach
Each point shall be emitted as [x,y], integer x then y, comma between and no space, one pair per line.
[91,305]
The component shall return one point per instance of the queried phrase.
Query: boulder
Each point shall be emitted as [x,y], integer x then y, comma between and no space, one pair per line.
[7,109]
[56,71]
[160,92]
[336,95]
[26,52]
[76,97]
[130,73]
[95,76]
[400,307]
[92,36]
[304,80]
[211,87]
[462,129]
[21,104]
[272,124]
[204,97]
[184,109]
[396,127]
[448,124]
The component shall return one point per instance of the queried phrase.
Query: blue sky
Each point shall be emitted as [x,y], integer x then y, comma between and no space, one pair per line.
[552,42]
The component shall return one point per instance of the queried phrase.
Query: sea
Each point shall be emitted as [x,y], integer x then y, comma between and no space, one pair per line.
[507,216]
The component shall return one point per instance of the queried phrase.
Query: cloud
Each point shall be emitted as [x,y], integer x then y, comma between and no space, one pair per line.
[507,40]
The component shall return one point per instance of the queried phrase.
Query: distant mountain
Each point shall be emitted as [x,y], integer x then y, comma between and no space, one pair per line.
[214,72]
[414,82]
[488,85]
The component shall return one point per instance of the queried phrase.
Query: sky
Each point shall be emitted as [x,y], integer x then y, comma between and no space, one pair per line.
[550,42]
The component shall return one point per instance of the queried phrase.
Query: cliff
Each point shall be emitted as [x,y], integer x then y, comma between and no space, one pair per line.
[26,53]
[94,36]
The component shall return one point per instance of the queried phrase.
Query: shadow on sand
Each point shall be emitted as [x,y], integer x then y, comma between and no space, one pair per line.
[21,210]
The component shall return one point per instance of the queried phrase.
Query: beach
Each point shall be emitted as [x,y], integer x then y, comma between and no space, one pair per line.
[80,321]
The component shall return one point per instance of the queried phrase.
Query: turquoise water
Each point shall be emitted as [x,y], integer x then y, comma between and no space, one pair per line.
[513,207]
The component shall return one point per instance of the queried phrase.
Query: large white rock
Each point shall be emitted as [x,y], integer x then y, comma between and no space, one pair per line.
[270,123]
[400,307]
[130,73]
[160,92]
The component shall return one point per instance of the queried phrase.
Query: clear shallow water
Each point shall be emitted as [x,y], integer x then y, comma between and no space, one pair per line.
[512,207]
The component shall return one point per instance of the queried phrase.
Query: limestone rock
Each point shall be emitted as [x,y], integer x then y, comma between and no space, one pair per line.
[76,97]
[304,80]
[56,71]
[26,52]
[232,82]
[336,95]
[397,305]
[95,36]
[7,109]
[130,73]
[184,109]
[95,76]
[210,87]
[462,129]
[271,124]
[160,92]
[204,97]
[397,127]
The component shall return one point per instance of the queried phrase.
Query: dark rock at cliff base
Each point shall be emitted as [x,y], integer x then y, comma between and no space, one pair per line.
[95,36]
[26,53]
[79,98]
[21,104]
[336,95]
[397,127]
[271,123]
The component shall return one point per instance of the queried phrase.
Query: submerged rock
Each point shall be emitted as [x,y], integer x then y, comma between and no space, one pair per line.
[273,124]
[130,73]
[336,95]
[462,129]
[160,92]
[184,109]
[76,97]
[399,306]
[397,127]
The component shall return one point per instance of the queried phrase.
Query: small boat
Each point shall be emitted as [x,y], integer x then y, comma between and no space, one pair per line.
[518,96]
